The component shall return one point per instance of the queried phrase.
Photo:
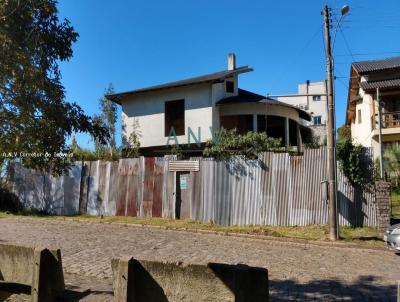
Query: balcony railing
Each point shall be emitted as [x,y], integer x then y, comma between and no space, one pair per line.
[391,119]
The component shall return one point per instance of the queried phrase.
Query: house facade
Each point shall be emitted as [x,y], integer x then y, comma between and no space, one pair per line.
[311,97]
[367,79]
[191,110]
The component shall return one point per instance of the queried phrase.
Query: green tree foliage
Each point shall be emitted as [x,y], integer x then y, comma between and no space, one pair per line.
[82,154]
[392,163]
[344,133]
[99,147]
[229,143]
[109,118]
[131,147]
[177,151]
[34,116]
[354,164]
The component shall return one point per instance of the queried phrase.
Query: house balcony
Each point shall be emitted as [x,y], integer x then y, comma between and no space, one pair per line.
[390,126]
[390,116]
[391,120]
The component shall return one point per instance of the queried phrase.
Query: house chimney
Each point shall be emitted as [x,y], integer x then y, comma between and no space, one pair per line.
[231,61]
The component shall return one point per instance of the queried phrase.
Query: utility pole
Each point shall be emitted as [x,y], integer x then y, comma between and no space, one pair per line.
[330,133]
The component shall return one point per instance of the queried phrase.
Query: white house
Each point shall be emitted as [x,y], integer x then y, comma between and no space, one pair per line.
[194,108]
[362,107]
[311,97]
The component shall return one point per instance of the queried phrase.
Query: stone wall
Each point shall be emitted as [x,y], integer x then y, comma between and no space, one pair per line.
[319,133]
[382,191]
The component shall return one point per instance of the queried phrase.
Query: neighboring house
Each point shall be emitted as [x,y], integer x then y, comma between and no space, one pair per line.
[362,106]
[195,108]
[311,97]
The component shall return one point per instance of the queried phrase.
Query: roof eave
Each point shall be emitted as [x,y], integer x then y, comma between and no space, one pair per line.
[302,114]
[353,92]
[117,97]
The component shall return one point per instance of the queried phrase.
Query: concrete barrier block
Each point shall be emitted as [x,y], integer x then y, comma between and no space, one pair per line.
[139,280]
[37,269]
[16,263]
[48,277]
[124,289]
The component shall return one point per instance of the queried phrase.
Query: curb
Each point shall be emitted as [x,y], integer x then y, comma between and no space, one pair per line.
[283,240]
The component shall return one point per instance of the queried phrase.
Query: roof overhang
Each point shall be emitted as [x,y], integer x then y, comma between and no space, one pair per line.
[359,69]
[302,114]
[245,96]
[353,95]
[208,78]
[383,85]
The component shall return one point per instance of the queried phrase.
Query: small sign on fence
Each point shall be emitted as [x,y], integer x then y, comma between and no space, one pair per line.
[183,182]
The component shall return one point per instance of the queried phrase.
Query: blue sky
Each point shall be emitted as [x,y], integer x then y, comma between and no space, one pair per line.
[135,44]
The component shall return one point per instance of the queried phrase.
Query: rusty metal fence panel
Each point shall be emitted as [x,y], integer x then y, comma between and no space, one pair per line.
[55,195]
[276,189]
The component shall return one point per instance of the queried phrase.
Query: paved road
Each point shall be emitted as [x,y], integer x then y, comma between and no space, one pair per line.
[297,271]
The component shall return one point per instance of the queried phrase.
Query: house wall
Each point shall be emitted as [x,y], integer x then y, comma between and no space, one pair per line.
[218,92]
[316,108]
[266,109]
[147,111]
[362,132]
[259,108]
[366,133]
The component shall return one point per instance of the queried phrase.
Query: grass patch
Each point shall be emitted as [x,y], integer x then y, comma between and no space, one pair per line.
[4,214]
[364,236]
[395,205]
[367,235]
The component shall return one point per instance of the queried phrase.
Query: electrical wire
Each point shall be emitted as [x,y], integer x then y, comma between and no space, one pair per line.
[369,54]
[345,40]
[341,82]
[299,53]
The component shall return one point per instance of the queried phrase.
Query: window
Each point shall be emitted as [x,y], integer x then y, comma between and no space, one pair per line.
[261,123]
[317,120]
[230,86]
[359,116]
[316,98]
[175,117]
[243,123]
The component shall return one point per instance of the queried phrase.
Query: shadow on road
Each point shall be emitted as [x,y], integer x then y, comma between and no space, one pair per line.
[363,289]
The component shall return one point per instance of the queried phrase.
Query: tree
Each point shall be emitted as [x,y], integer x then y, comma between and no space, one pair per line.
[131,147]
[99,147]
[109,118]
[344,133]
[34,115]
[228,143]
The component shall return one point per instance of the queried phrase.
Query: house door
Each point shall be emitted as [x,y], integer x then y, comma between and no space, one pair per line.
[182,207]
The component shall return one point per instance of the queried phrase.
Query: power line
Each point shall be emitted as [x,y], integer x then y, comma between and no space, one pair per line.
[344,77]
[300,52]
[345,41]
[341,82]
[369,53]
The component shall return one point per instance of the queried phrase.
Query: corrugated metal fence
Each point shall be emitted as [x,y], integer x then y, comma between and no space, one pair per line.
[276,189]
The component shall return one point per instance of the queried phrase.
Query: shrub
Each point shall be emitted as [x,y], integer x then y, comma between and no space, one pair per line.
[228,143]
[354,163]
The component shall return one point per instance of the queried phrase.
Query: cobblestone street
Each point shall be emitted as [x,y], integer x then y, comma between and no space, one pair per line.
[297,271]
